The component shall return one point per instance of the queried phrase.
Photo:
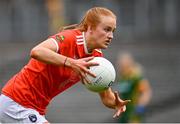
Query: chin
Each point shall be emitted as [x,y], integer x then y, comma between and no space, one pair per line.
[104,47]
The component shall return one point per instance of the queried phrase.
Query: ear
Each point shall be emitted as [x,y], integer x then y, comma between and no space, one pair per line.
[90,29]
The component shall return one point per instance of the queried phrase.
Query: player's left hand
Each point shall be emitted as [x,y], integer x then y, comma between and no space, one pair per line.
[120,105]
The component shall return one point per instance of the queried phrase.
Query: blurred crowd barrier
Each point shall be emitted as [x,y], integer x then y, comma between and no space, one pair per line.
[32,20]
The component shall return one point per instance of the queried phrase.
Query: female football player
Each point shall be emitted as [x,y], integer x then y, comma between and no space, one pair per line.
[56,64]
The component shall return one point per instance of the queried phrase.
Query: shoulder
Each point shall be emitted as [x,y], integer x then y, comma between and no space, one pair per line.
[69,34]
[66,35]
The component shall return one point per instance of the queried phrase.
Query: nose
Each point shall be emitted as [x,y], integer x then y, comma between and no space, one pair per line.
[110,35]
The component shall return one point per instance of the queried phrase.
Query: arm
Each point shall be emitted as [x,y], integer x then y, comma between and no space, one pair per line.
[144,98]
[46,52]
[146,93]
[111,100]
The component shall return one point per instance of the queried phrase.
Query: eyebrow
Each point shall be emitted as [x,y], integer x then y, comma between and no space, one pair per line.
[113,29]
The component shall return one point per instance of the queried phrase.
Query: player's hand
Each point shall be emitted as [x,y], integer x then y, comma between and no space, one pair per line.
[80,66]
[120,105]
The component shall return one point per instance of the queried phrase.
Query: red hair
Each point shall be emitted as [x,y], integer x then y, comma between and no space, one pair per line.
[91,18]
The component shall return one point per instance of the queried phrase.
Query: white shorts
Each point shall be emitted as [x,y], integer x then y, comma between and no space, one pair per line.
[12,112]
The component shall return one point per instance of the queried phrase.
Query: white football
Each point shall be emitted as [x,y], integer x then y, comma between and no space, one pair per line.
[105,75]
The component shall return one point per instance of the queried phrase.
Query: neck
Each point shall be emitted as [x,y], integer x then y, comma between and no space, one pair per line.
[89,43]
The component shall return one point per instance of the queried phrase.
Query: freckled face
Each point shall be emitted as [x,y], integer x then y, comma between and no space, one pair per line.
[103,33]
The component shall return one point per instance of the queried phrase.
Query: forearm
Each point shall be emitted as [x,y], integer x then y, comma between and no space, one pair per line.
[50,57]
[146,93]
[144,98]
[108,98]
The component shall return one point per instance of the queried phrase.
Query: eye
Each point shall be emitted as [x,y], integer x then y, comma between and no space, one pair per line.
[107,29]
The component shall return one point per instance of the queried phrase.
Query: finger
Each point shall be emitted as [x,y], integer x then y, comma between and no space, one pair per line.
[84,78]
[89,64]
[114,116]
[117,113]
[83,81]
[91,74]
[88,58]
[87,71]
[116,95]
[126,102]
[83,75]
[124,108]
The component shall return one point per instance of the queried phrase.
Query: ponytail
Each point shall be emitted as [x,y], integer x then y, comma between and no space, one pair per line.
[91,18]
[73,26]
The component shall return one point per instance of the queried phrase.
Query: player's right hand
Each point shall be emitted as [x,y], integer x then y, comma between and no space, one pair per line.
[80,66]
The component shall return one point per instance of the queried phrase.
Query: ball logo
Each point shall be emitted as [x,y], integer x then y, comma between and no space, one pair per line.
[98,80]
[110,83]
[32,117]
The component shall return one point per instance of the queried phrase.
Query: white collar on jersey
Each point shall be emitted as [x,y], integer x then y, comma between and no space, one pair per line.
[85,44]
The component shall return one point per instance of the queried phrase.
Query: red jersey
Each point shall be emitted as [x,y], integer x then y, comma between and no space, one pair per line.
[37,83]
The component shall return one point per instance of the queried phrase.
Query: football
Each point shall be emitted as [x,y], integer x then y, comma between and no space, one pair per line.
[105,75]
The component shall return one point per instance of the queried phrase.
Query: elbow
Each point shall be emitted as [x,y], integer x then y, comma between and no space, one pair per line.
[34,53]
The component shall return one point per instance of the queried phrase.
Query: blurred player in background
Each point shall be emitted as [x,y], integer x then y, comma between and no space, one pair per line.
[55,65]
[132,85]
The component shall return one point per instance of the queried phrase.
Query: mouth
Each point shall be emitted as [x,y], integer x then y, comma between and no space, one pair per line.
[107,42]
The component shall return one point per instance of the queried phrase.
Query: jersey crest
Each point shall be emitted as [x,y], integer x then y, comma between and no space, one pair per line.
[60,38]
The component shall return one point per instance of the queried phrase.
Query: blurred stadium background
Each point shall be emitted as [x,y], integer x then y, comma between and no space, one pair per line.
[149,29]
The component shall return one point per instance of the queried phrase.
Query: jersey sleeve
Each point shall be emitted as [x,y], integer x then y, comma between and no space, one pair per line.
[64,41]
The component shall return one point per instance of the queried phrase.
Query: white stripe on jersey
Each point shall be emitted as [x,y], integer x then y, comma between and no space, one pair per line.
[80,43]
[78,40]
[80,36]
